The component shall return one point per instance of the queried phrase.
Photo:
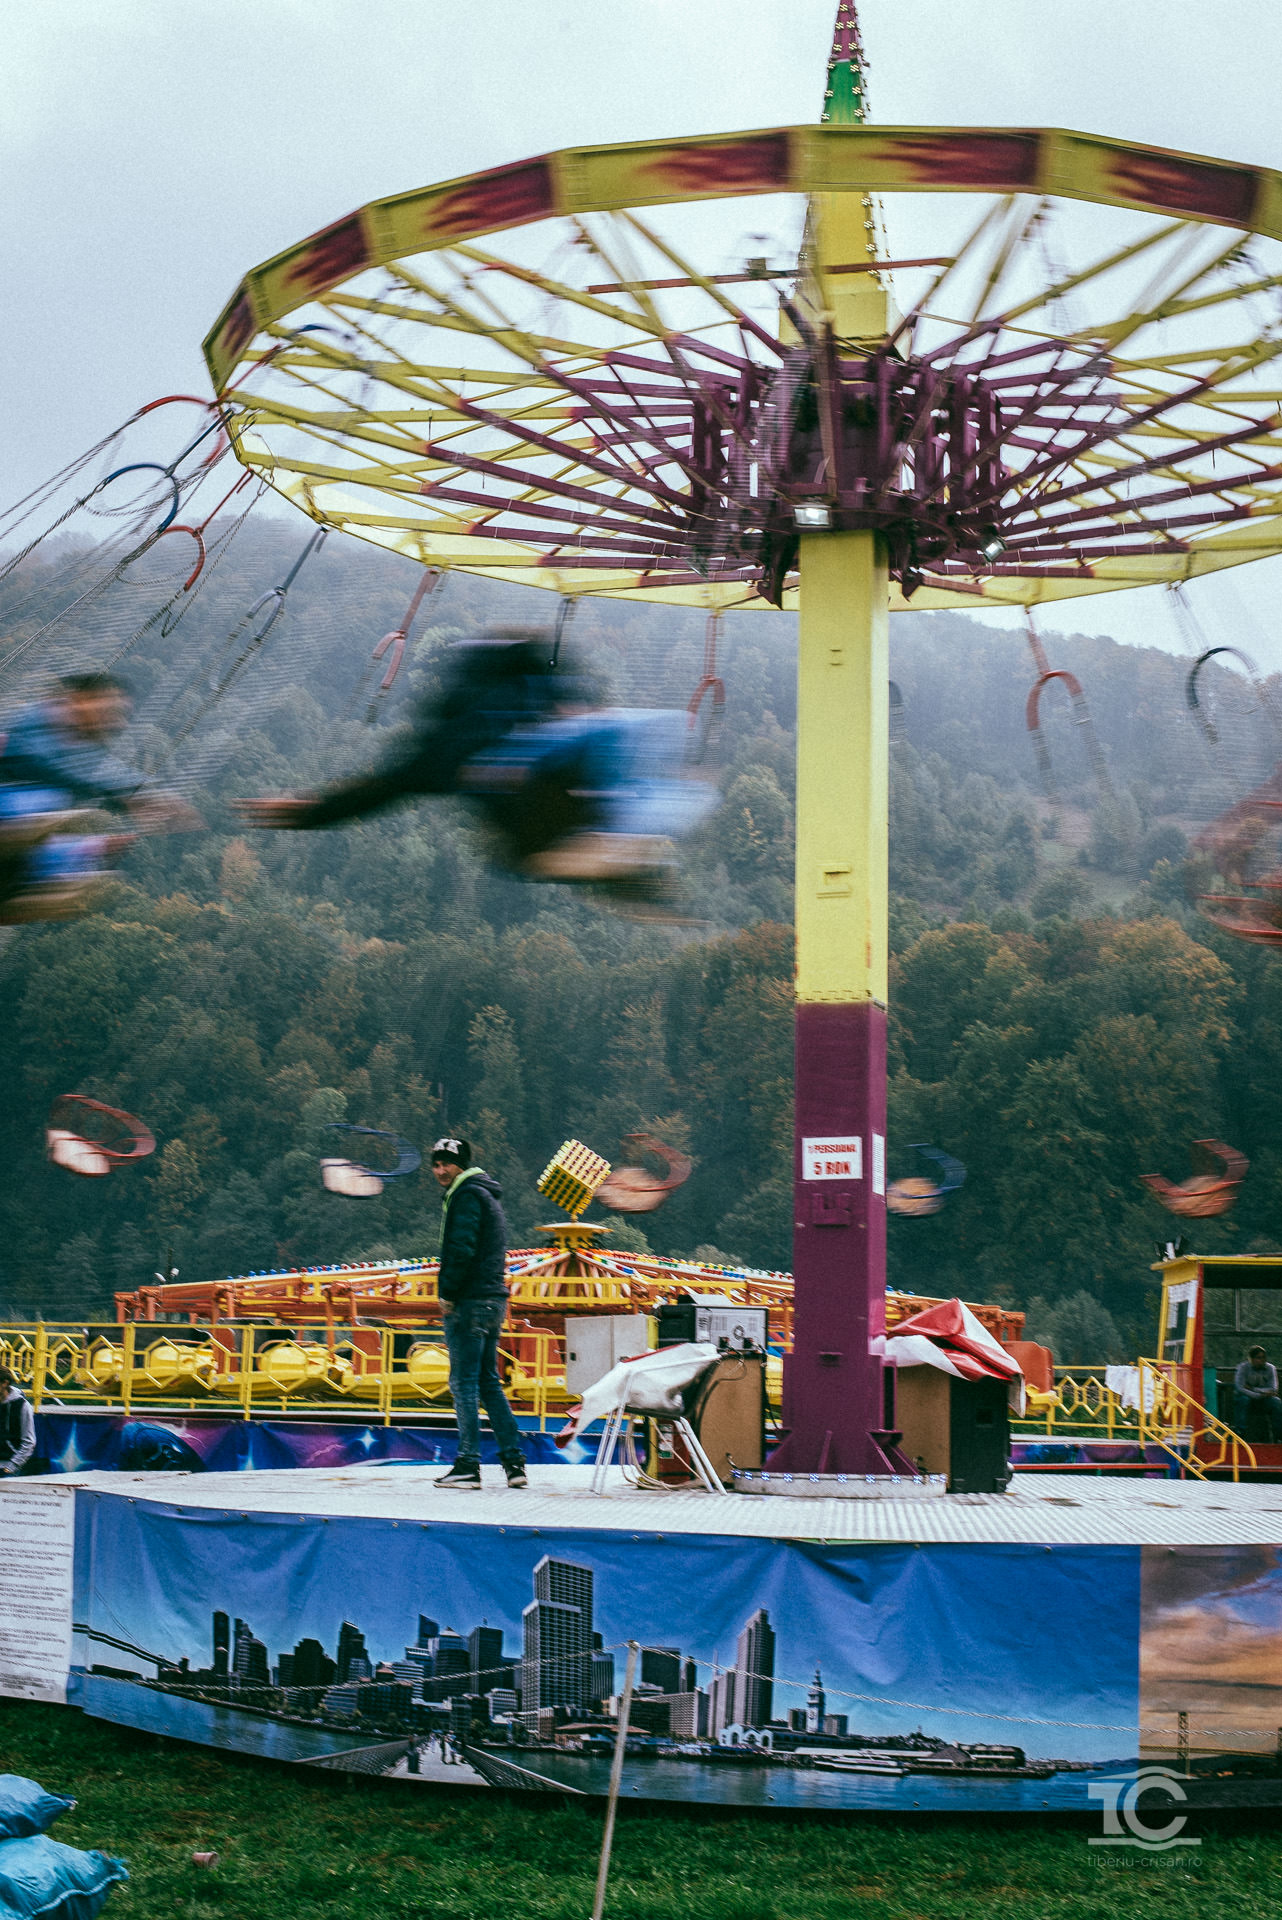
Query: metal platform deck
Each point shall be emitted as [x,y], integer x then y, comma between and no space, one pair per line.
[1071,1510]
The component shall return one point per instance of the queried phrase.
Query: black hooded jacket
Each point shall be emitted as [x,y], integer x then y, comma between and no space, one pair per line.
[474,1242]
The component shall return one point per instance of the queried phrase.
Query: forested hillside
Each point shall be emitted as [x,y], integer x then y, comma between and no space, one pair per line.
[1060,1021]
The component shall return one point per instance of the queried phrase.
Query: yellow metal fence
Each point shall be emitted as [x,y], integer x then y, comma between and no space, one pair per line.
[158,1367]
[1157,1412]
[153,1367]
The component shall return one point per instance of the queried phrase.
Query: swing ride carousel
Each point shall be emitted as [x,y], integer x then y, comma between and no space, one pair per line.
[968,367]
[1055,383]
[973,366]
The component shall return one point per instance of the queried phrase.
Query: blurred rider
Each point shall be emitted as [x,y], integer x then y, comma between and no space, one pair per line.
[569,788]
[54,764]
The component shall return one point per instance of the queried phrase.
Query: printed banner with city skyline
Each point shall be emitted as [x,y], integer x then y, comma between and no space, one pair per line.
[793,1673]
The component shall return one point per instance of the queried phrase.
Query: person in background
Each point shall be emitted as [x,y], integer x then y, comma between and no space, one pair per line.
[472,1285]
[54,764]
[1255,1384]
[17,1426]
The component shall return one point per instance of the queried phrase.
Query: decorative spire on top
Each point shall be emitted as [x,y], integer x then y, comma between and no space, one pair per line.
[816,1704]
[846,96]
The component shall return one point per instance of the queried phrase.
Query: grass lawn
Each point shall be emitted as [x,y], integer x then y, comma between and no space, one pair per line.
[295,1845]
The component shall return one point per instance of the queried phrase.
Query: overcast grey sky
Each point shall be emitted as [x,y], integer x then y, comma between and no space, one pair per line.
[153,149]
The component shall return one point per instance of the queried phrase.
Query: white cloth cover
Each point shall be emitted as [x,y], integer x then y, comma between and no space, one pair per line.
[917,1350]
[652,1383]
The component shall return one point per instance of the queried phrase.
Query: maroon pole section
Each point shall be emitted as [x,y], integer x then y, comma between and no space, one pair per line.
[832,1405]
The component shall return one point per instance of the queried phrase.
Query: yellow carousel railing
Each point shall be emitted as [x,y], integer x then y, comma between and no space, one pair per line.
[1081,1403]
[255,1369]
[1158,1412]
[152,1366]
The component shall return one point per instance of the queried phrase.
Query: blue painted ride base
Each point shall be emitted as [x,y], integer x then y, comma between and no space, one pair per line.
[1018,1652]
[195,1443]
[217,1443]
[1109,1456]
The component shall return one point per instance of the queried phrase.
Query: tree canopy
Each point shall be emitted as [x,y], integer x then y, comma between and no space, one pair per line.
[1060,1022]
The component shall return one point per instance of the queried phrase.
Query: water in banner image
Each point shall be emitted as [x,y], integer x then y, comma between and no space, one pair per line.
[788,1786]
[206,1723]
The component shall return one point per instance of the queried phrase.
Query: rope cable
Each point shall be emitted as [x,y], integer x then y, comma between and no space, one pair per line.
[184,597]
[565,612]
[273,604]
[707,731]
[178,484]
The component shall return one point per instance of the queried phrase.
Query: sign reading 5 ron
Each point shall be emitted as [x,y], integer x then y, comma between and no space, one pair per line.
[832,1159]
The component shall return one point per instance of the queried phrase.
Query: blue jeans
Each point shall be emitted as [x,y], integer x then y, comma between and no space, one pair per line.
[472,1336]
[63,856]
[1271,1407]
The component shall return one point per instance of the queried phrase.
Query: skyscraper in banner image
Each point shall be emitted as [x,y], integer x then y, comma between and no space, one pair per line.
[722,1692]
[601,1672]
[551,1658]
[556,1656]
[249,1658]
[816,1705]
[568,1584]
[443,1659]
[354,1662]
[311,1666]
[421,1653]
[754,1672]
[661,1668]
[486,1669]
[222,1644]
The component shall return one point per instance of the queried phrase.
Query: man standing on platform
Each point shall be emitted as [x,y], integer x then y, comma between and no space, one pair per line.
[17,1426]
[472,1284]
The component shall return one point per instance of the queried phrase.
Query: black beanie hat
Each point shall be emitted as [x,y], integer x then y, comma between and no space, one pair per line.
[453,1149]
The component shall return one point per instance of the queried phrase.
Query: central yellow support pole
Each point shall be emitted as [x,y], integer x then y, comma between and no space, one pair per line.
[835,1413]
[843,769]
[833,1401]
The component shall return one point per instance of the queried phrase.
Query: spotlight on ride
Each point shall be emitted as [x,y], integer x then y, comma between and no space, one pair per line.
[812,517]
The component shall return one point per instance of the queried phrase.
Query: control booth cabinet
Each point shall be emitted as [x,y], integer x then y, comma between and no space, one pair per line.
[1213,1309]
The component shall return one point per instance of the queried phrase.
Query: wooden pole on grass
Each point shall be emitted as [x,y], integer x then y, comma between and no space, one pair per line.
[616,1776]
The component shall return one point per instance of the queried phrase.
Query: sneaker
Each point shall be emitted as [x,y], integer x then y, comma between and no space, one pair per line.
[461,1474]
[515,1473]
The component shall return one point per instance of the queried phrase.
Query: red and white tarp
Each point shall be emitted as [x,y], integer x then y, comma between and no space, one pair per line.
[951,1338]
